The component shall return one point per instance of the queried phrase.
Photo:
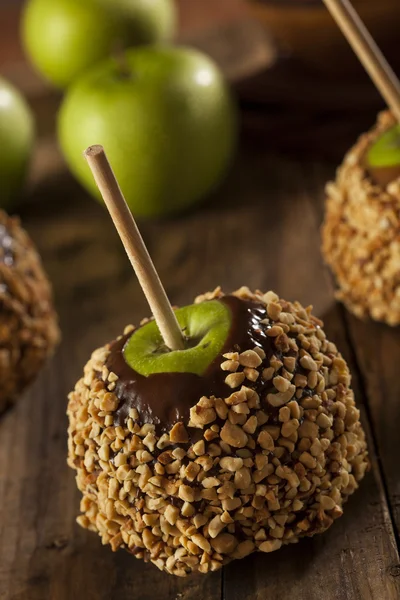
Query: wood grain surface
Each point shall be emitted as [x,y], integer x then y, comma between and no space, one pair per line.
[261,228]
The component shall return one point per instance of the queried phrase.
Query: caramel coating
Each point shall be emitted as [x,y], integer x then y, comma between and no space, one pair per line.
[263,471]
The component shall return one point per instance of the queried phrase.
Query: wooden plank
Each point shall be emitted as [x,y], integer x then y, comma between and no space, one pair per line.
[248,233]
[377,348]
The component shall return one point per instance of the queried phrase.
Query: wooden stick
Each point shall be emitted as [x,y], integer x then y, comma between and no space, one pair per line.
[367,51]
[135,247]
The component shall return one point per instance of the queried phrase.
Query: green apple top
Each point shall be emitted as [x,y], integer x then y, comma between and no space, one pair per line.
[205,326]
[63,38]
[385,152]
[16,141]
[382,161]
[167,120]
[164,386]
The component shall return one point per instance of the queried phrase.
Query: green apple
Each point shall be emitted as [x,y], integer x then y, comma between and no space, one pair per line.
[16,141]
[205,326]
[65,37]
[148,21]
[385,152]
[166,120]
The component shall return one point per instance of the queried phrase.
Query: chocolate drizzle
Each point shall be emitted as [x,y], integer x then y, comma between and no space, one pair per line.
[166,398]
[6,246]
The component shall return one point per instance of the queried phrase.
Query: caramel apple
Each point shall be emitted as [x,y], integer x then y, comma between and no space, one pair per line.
[191,468]
[217,430]
[360,239]
[28,323]
[360,235]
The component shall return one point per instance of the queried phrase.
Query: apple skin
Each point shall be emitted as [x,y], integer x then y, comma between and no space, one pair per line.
[17,134]
[385,152]
[149,21]
[207,324]
[63,38]
[166,120]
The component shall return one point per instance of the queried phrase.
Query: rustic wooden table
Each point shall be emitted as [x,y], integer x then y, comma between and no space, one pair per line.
[260,229]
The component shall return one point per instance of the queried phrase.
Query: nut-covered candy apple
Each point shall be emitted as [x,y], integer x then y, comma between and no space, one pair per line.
[218,429]
[246,440]
[361,230]
[360,234]
[28,324]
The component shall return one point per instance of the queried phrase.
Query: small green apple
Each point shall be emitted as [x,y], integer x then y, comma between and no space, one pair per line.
[166,119]
[385,152]
[65,37]
[16,141]
[205,326]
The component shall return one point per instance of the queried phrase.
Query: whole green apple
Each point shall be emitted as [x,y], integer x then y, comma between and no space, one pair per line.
[16,141]
[166,119]
[65,37]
